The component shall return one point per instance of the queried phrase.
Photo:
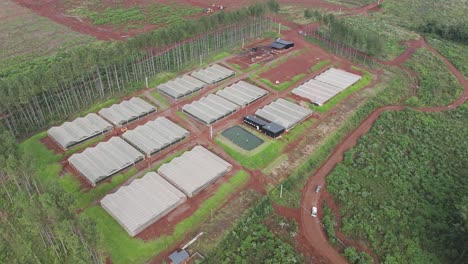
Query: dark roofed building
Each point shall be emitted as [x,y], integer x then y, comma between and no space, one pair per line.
[179,257]
[273,130]
[254,122]
[282,44]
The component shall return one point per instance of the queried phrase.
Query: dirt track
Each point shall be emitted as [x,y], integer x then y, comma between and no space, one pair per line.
[312,227]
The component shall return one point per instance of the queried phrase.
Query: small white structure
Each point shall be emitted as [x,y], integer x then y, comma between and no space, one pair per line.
[143,202]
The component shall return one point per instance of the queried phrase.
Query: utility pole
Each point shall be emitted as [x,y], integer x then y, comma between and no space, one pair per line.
[281,191]
[279,28]
[211,132]
[146,79]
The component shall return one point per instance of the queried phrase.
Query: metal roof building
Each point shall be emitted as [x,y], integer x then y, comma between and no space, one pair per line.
[155,136]
[284,113]
[143,202]
[242,93]
[338,78]
[127,111]
[79,130]
[210,109]
[326,85]
[105,159]
[213,74]
[194,170]
[182,86]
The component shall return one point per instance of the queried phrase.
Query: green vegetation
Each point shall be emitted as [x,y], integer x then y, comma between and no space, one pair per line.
[158,96]
[357,257]
[125,249]
[252,242]
[319,65]
[329,222]
[135,16]
[160,78]
[389,92]
[168,159]
[391,35]
[437,85]
[403,186]
[265,153]
[363,82]
[37,223]
[456,53]
[446,19]
[340,31]
[182,115]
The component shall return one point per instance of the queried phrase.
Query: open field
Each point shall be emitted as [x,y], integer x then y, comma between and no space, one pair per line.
[26,35]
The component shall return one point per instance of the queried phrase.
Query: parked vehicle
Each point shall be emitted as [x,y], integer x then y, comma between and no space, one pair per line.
[319,187]
[314,212]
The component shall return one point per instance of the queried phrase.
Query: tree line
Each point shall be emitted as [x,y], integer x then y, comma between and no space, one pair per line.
[36,222]
[47,91]
[338,31]
[457,32]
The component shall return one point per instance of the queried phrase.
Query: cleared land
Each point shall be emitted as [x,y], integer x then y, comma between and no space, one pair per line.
[26,35]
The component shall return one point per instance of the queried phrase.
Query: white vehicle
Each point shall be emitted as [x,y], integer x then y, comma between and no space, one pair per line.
[314,212]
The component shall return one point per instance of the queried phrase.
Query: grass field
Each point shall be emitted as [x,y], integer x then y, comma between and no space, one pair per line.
[125,249]
[25,35]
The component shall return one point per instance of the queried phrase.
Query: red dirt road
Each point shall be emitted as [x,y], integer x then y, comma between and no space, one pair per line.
[312,227]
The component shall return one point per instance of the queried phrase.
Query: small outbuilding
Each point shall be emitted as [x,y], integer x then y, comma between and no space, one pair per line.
[273,130]
[255,122]
[179,257]
[281,44]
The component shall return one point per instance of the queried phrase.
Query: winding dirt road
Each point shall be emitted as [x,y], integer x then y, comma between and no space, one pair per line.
[312,227]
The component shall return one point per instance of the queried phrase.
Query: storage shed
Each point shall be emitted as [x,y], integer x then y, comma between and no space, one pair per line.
[255,122]
[210,109]
[213,74]
[105,159]
[155,135]
[143,202]
[70,134]
[181,86]
[127,111]
[284,113]
[273,130]
[281,44]
[195,170]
